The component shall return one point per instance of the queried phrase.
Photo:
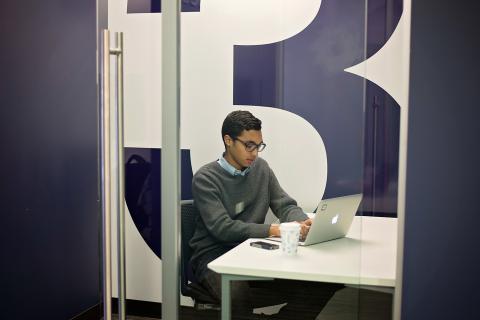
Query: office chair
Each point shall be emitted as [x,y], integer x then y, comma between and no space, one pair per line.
[189,284]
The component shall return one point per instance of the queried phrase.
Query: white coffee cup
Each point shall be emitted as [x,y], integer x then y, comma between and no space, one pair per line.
[290,233]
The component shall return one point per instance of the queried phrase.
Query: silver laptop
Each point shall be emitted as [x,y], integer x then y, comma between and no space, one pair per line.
[332,219]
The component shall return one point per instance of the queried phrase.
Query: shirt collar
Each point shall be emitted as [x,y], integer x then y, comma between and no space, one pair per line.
[231,169]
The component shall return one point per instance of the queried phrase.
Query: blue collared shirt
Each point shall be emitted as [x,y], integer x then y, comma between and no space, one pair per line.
[231,169]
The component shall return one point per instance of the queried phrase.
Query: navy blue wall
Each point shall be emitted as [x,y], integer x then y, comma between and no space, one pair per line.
[303,75]
[49,188]
[441,259]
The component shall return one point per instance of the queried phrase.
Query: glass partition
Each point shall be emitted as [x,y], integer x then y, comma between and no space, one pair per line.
[331,135]
[140,21]
[285,61]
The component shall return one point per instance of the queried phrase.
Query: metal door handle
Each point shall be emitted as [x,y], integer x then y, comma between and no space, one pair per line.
[106,116]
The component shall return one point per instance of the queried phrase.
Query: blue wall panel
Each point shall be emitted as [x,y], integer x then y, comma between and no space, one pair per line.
[441,258]
[49,188]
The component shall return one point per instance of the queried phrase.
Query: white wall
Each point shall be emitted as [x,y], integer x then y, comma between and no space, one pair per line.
[208,38]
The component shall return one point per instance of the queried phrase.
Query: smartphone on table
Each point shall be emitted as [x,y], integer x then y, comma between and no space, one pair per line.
[264,245]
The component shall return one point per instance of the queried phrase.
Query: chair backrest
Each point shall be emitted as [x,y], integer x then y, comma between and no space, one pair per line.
[189,214]
[190,287]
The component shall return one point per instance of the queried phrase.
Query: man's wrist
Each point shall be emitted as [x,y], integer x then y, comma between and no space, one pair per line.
[274,230]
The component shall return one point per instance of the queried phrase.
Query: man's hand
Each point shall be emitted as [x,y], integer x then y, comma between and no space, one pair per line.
[274,230]
[304,228]
[308,222]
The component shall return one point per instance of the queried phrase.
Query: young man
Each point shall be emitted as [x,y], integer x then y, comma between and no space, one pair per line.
[233,195]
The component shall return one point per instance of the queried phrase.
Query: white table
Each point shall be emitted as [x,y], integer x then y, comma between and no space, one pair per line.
[367,256]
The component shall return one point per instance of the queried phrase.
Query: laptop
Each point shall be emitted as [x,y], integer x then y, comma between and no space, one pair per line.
[332,219]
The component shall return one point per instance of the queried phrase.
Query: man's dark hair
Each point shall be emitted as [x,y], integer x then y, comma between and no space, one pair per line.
[237,121]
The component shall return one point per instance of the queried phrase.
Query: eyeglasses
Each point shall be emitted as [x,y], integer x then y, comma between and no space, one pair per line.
[252,146]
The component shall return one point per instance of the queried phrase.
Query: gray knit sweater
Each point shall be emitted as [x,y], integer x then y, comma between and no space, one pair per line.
[233,208]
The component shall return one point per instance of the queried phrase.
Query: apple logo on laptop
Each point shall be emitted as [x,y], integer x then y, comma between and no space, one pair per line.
[335,219]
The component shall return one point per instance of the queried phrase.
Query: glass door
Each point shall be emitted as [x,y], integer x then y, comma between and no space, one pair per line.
[144,149]
[331,133]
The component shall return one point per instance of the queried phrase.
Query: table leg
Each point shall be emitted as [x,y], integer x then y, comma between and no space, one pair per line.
[226,302]
[226,305]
